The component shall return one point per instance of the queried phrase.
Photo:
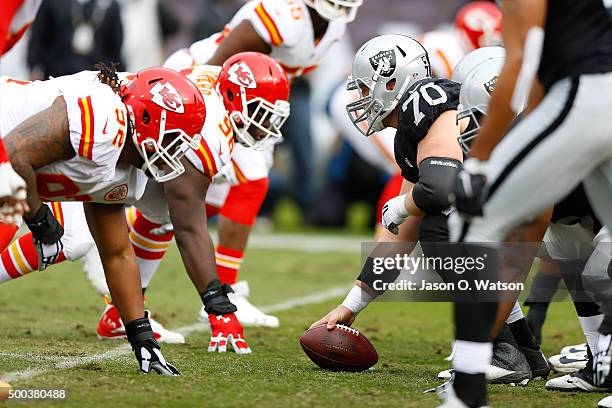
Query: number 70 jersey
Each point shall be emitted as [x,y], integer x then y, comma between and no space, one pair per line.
[419,108]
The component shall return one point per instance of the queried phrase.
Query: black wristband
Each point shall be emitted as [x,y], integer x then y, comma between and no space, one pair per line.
[215,298]
[44,226]
[369,276]
[139,331]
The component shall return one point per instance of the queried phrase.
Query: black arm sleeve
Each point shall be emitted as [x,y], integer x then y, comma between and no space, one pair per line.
[436,176]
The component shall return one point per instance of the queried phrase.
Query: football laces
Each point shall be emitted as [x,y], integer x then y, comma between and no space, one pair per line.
[348,329]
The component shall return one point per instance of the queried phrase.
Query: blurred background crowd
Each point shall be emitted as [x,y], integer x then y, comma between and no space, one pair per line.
[318,179]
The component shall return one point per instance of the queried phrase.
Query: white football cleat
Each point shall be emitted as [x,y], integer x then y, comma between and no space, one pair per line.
[576,348]
[568,363]
[445,374]
[446,393]
[247,314]
[111,327]
[581,380]
[605,402]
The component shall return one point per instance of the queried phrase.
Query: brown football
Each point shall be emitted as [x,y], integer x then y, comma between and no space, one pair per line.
[340,349]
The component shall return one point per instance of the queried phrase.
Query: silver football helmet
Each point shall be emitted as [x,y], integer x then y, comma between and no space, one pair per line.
[383,69]
[474,58]
[336,10]
[475,95]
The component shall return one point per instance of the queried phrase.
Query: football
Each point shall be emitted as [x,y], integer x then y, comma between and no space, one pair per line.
[340,349]
[5,389]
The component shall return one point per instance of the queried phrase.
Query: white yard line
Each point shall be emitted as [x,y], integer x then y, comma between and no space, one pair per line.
[124,349]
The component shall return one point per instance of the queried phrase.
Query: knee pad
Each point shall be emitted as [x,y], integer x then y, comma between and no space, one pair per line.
[244,201]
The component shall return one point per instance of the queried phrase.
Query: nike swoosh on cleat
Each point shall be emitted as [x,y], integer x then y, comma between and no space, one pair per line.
[567,360]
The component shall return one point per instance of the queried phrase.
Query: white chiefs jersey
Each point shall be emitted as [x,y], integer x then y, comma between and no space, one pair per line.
[217,144]
[284,24]
[98,126]
[445,49]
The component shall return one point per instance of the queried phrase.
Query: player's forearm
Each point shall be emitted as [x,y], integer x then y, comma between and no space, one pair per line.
[198,254]
[27,173]
[500,113]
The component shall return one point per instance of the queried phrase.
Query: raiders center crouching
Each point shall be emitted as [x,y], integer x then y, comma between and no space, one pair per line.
[392,74]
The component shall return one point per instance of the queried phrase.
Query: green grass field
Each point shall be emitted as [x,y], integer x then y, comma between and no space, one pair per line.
[48,321]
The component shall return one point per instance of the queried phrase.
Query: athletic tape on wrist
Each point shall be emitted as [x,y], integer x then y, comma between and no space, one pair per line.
[357,299]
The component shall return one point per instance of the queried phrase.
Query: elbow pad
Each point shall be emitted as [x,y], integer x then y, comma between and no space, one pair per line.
[436,177]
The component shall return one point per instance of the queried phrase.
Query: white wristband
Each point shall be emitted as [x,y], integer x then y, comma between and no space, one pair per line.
[357,299]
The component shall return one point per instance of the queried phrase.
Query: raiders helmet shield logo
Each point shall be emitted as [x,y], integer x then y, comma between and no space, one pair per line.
[166,96]
[241,75]
[388,59]
[489,86]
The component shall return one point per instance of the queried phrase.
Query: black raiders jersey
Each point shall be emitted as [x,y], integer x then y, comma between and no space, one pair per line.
[577,39]
[419,108]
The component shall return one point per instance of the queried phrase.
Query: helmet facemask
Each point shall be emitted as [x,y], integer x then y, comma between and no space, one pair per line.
[370,106]
[337,10]
[259,116]
[475,114]
[155,152]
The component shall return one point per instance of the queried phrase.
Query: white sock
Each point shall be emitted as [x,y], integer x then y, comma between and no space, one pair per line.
[472,357]
[147,270]
[590,326]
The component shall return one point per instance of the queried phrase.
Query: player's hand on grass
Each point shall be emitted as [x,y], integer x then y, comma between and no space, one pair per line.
[394,213]
[340,315]
[226,328]
[147,350]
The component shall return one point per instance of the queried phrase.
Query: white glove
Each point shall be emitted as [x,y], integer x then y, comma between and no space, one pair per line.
[394,213]
[226,174]
[12,195]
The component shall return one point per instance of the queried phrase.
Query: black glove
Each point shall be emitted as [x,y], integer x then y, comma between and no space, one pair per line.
[215,298]
[470,188]
[44,226]
[147,350]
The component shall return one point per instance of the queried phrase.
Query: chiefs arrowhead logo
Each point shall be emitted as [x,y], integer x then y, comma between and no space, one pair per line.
[118,193]
[167,97]
[241,75]
[489,86]
[387,58]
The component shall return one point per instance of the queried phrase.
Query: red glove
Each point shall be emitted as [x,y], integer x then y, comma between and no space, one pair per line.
[226,328]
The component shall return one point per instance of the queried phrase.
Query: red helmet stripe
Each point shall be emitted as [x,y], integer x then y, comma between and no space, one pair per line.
[267,21]
[87,128]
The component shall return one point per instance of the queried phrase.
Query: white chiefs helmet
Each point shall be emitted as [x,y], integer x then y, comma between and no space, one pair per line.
[475,96]
[336,10]
[383,69]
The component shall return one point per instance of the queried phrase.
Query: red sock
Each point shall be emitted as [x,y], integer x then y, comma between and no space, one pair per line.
[7,232]
[228,264]
[20,259]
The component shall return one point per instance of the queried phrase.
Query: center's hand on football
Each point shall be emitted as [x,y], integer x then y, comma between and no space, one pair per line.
[226,328]
[394,213]
[341,314]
